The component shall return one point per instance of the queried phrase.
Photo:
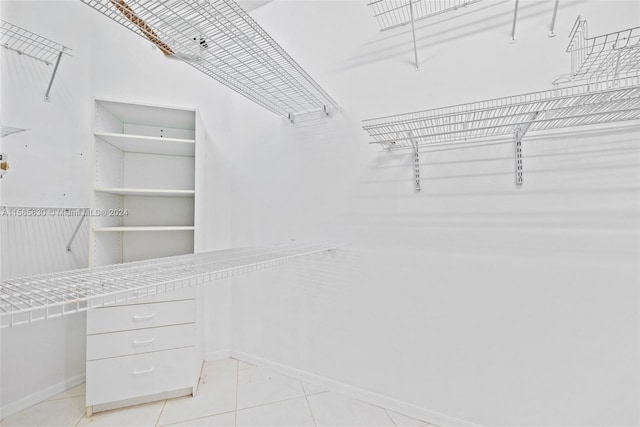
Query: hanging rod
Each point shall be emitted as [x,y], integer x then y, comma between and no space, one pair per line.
[218,38]
[604,57]
[26,43]
[29,299]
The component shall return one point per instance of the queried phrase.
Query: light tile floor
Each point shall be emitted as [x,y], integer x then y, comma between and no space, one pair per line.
[231,393]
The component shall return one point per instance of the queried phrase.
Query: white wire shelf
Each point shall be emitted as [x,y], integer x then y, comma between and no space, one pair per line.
[557,108]
[29,44]
[396,13]
[30,299]
[8,130]
[149,144]
[146,192]
[218,38]
[604,57]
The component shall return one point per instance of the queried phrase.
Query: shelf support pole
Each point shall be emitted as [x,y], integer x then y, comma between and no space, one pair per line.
[553,20]
[513,27]
[53,76]
[413,32]
[75,232]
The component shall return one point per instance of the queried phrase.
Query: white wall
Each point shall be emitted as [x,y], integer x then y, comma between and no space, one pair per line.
[50,164]
[474,299]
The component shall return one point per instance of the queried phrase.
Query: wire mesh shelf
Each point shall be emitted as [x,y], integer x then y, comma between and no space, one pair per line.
[218,38]
[26,43]
[29,299]
[396,13]
[29,44]
[604,57]
[8,130]
[587,104]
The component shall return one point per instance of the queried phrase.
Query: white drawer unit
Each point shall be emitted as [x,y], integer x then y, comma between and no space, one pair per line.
[142,352]
[138,316]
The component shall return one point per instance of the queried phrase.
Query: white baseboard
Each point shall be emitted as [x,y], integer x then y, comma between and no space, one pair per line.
[40,395]
[217,355]
[398,406]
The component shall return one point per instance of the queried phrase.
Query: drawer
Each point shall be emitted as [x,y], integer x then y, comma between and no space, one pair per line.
[115,344]
[128,317]
[127,377]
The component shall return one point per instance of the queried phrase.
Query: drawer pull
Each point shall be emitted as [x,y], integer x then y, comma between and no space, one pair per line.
[146,371]
[143,316]
[140,342]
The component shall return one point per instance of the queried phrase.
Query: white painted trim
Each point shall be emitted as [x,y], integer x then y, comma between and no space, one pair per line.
[398,406]
[40,396]
[217,355]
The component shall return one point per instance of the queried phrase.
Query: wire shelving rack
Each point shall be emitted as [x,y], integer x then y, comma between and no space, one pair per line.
[604,57]
[30,299]
[29,44]
[581,105]
[397,13]
[218,38]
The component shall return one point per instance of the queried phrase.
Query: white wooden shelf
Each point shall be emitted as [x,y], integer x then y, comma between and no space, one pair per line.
[145,228]
[146,192]
[29,299]
[8,130]
[149,144]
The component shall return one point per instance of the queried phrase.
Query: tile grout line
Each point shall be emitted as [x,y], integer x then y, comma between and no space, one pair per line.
[313,417]
[200,418]
[84,413]
[161,411]
[386,411]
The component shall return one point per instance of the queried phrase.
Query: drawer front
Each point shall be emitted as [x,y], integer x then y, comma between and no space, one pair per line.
[115,344]
[119,378]
[128,317]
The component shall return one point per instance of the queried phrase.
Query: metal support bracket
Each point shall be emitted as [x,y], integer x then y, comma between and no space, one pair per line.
[53,76]
[75,232]
[518,134]
[416,165]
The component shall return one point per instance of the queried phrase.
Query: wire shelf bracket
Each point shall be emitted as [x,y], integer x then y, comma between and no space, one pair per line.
[29,299]
[218,38]
[26,43]
[581,105]
[8,130]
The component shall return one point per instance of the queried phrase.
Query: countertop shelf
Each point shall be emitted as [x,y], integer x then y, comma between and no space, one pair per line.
[149,144]
[557,108]
[29,299]
[222,41]
[146,192]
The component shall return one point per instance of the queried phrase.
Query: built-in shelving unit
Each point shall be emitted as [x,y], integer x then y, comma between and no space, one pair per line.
[30,299]
[29,44]
[581,105]
[144,194]
[605,57]
[221,40]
